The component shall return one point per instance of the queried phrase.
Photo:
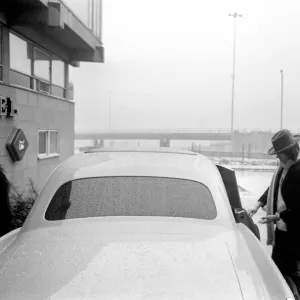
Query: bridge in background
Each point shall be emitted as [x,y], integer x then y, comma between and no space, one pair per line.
[164,135]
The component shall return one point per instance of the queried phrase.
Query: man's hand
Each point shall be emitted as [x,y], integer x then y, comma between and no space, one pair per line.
[252,211]
[269,219]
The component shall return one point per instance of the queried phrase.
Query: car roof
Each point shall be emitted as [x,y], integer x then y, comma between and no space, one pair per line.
[158,162]
[162,163]
[138,149]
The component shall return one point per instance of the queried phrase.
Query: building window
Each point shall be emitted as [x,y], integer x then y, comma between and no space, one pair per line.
[20,61]
[53,140]
[41,64]
[48,143]
[58,71]
[42,71]
[1,54]
[58,85]
[36,69]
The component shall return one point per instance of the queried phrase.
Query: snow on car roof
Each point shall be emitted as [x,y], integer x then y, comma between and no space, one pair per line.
[160,162]
[150,150]
[164,163]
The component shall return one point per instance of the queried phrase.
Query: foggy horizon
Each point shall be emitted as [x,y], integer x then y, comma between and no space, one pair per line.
[169,65]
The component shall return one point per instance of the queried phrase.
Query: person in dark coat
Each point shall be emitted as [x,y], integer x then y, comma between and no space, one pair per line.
[5,207]
[282,199]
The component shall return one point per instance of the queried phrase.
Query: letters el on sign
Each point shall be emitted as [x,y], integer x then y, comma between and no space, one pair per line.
[3,106]
[7,107]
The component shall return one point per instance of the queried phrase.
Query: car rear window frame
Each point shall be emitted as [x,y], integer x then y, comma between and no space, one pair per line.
[214,207]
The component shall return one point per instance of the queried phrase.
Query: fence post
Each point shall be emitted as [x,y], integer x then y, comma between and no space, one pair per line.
[243,153]
[249,150]
[199,148]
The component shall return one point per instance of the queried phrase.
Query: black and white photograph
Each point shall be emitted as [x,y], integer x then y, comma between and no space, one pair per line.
[149,150]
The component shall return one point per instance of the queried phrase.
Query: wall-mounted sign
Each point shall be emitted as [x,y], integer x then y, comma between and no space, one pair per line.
[7,107]
[17,144]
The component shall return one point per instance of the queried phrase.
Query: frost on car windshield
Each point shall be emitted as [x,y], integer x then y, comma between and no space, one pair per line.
[131,196]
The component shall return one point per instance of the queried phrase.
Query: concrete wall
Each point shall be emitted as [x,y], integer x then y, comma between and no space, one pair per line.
[253,141]
[35,112]
[248,142]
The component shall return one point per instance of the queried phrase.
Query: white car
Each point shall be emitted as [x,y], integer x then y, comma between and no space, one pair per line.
[152,224]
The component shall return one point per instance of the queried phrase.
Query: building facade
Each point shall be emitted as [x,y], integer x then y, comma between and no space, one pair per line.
[39,40]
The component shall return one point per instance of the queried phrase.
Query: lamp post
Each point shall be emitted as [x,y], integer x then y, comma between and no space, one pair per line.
[109,115]
[281,110]
[235,15]
[109,109]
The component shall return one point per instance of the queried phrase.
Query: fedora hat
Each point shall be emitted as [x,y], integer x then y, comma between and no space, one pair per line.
[283,140]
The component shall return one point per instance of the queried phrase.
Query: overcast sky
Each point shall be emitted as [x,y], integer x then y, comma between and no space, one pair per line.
[168,64]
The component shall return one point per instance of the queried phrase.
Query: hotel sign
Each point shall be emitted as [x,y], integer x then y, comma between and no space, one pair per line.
[17,144]
[7,107]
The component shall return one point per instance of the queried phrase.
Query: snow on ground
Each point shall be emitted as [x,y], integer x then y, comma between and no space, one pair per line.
[246,162]
[241,167]
[256,182]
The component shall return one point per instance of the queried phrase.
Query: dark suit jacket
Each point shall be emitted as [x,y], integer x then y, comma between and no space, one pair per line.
[291,194]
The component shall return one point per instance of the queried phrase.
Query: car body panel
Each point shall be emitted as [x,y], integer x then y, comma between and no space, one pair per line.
[173,165]
[266,270]
[129,258]
[8,238]
[137,257]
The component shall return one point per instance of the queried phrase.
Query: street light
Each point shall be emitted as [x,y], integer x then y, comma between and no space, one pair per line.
[281,71]
[109,114]
[109,110]
[235,15]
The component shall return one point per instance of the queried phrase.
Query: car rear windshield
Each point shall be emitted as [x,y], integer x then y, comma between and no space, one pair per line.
[131,196]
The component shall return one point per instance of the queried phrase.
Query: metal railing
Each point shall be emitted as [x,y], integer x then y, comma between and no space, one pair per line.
[186,130]
[23,80]
[180,130]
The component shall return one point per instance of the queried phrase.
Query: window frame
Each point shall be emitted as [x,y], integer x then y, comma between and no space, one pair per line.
[34,80]
[1,54]
[49,204]
[48,154]
[30,76]
[64,86]
[35,48]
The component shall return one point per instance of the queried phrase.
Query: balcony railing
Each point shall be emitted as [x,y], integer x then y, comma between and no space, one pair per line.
[23,80]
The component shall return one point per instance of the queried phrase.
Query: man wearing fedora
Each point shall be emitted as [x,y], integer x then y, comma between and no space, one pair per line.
[282,200]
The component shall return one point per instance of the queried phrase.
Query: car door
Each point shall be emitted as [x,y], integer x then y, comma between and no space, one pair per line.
[231,186]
